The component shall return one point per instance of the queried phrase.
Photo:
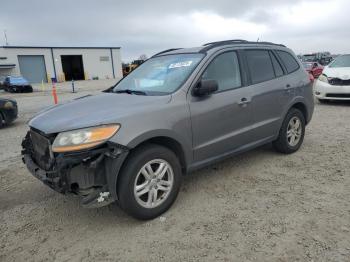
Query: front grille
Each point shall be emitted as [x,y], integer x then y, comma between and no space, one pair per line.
[41,152]
[338,95]
[338,82]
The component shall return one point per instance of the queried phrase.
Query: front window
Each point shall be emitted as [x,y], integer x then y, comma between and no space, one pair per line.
[225,70]
[160,75]
[309,58]
[341,61]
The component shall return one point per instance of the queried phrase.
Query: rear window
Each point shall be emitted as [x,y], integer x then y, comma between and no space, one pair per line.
[260,65]
[289,61]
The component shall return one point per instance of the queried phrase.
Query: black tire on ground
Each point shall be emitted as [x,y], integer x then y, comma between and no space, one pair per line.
[126,181]
[282,144]
[1,120]
[29,89]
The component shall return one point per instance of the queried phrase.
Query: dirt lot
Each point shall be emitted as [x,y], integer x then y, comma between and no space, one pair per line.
[259,206]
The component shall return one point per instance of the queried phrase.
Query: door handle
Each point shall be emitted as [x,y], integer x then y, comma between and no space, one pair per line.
[243,101]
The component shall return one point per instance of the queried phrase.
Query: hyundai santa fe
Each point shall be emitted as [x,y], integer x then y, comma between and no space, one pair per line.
[179,111]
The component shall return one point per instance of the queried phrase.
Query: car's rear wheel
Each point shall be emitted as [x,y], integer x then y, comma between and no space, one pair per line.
[149,182]
[291,134]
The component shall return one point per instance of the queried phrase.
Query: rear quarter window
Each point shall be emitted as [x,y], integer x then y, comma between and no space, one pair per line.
[276,65]
[288,60]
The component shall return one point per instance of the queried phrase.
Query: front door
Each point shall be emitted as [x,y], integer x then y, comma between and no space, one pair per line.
[221,123]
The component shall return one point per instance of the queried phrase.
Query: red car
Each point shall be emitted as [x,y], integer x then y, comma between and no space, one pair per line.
[313,68]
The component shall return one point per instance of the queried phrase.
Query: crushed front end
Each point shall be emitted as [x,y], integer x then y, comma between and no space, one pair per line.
[91,174]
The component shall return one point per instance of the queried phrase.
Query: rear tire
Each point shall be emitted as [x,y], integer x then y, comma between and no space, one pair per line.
[143,192]
[291,135]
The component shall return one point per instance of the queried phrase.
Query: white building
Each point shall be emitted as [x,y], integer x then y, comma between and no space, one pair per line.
[38,64]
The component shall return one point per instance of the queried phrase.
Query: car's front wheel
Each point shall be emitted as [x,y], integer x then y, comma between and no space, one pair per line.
[291,134]
[149,182]
[2,120]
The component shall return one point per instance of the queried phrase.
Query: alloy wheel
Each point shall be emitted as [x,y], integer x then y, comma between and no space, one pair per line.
[294,131]
[153,183]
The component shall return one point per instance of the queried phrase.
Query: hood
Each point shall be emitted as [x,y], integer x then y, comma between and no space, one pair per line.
[337,72]
[105,108]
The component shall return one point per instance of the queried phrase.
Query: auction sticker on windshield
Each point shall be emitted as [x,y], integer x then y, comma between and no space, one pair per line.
[180,64]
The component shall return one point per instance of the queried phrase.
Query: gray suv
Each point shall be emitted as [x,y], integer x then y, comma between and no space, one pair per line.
[179,111]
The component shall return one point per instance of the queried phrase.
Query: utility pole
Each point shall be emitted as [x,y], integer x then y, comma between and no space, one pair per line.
[6,42]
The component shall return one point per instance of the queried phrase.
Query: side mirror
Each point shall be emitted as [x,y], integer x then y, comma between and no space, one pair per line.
[206,87]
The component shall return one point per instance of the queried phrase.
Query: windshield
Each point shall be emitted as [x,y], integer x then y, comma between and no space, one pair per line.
[309,57]
[18,80]
[341,61]
[160,75]
[307,65]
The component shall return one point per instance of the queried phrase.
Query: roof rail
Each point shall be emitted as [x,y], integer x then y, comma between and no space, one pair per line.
[227,41]
[208,46]
[165,51]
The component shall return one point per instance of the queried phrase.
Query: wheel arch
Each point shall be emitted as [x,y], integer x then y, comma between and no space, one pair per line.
[302,107]
[169,142]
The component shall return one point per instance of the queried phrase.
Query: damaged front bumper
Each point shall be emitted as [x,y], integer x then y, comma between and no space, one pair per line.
[91,174]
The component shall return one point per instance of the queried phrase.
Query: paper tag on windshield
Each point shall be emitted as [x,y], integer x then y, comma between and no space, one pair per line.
[180,64]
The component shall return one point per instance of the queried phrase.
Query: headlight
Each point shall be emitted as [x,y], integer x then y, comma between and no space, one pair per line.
[83,138]
[9,105]
[323,78]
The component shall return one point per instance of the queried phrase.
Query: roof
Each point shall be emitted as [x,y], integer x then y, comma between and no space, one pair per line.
[62,47]
[212,45]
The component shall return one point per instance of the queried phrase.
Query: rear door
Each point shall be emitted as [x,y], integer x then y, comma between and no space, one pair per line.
[221,122]
[270,92]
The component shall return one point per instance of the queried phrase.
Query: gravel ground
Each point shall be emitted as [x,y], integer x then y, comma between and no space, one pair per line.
[259,206]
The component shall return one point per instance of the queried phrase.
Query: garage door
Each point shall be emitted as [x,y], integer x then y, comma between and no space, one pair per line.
[33,68]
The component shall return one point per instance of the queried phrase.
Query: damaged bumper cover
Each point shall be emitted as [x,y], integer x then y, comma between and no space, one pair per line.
[91,174]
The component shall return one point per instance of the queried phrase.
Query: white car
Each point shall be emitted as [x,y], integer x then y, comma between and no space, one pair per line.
[334,82]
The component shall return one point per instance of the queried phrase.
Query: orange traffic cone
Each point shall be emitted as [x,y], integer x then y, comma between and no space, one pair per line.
[54,94]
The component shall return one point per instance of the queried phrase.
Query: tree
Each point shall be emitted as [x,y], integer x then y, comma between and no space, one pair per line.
[143,57]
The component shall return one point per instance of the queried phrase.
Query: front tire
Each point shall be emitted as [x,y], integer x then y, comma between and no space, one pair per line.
[149,182]
[2,120]
[291,135]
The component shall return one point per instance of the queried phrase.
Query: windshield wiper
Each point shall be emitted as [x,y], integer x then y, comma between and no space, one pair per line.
[131,92]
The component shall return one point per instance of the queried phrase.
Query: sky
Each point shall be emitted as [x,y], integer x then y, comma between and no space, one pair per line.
[150,26]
